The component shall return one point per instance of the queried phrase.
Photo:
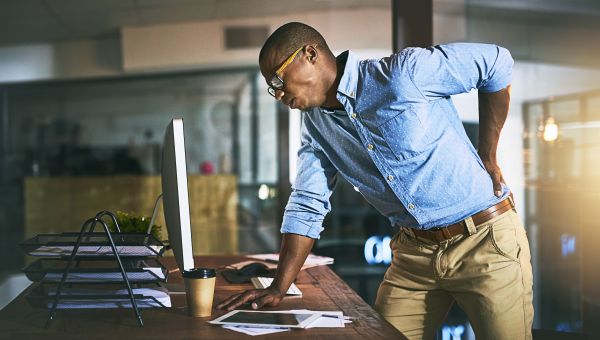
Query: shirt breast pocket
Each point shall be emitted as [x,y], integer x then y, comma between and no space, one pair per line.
[405,135]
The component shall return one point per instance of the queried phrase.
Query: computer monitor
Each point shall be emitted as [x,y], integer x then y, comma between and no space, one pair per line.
[175,195]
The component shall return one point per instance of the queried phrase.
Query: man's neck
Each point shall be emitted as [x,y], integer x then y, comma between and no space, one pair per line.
[331,101]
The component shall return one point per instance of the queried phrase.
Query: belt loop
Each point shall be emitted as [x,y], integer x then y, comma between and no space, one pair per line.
[471,228]
[511,201]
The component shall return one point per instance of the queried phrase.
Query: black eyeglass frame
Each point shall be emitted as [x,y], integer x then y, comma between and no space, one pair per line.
[276,82]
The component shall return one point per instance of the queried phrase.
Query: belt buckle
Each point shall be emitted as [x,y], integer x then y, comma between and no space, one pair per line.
[440,234]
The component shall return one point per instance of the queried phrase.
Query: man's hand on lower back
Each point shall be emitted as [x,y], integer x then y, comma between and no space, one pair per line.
[493,109]
[496,174]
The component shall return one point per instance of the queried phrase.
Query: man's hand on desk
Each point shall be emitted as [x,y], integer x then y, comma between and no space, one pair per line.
[259,297]
[293,253]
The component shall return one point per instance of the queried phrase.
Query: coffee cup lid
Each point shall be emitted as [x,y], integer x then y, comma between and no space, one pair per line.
[199,273]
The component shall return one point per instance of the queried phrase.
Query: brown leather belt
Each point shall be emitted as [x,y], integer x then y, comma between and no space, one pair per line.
[448,232]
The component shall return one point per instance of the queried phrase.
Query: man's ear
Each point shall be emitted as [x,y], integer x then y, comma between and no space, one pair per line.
[312,54]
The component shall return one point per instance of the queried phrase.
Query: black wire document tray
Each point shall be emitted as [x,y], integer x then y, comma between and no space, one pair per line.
[103,271]
[93,245]
[92,254]
[77,298]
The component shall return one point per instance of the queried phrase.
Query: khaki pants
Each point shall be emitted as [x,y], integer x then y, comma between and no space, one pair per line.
[488,273]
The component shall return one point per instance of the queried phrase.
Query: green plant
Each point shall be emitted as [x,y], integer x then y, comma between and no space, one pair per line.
[131,223]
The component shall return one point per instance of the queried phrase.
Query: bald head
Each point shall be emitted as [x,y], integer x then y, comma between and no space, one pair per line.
[307,80]
[286,39]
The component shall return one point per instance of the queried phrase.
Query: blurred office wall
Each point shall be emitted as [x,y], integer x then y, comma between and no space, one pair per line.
[75,70]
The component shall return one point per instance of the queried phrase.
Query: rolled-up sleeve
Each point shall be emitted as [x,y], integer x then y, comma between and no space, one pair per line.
[309,201]
[445,70]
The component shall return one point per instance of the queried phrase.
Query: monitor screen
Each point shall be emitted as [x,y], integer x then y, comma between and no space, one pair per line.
[175,195]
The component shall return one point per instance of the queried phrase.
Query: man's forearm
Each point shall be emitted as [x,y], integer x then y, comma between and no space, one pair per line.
[493,109]
[293,253]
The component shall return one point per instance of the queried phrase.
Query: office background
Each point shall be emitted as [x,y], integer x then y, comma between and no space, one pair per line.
[87,88]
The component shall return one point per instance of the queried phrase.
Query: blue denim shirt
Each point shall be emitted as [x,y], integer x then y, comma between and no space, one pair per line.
[399,139]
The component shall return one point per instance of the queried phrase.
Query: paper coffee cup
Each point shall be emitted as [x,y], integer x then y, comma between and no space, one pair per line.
[199,290]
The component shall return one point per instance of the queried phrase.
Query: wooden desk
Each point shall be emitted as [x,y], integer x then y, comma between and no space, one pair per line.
[322,289]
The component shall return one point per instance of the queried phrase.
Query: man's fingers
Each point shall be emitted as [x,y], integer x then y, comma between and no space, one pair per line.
[263,300]
[497,181]
[228,300]
[260,297]
[496,176]
[240,300]
[498,189]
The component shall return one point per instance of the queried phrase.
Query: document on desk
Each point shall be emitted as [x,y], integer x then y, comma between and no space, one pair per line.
[271,260]
[255,330]
[328,319]
[311,261]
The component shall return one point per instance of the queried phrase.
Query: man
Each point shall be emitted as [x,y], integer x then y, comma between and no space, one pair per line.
[390,128]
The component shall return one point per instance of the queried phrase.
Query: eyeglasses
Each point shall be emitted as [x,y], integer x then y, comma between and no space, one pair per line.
[276,83]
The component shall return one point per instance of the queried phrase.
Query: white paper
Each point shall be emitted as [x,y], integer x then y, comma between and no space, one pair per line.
[264,282]
[111,276]
[160,294]
[311,261]
[255,330]
[270,261]
[156,271]
[333,319]
[96,250]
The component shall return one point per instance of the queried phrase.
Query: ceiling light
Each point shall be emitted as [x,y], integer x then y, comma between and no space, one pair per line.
[550,130]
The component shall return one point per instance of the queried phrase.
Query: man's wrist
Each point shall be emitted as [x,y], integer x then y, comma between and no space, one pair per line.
[487,157]
[274,287]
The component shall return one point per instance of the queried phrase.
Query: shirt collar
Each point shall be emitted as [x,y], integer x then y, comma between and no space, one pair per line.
[349,80]
[346,91]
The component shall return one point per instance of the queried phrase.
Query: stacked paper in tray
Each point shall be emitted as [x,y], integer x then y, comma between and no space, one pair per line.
[328,319]
[152,297]
[150,250]
[147,274]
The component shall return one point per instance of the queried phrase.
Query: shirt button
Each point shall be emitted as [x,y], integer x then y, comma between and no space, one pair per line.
[353,115]
[411,206]
[370,146]
[390,178]
[351,93]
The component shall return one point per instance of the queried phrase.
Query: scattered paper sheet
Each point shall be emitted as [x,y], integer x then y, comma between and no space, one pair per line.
[329,319]
[255,330]
[311,261]
[271,260]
